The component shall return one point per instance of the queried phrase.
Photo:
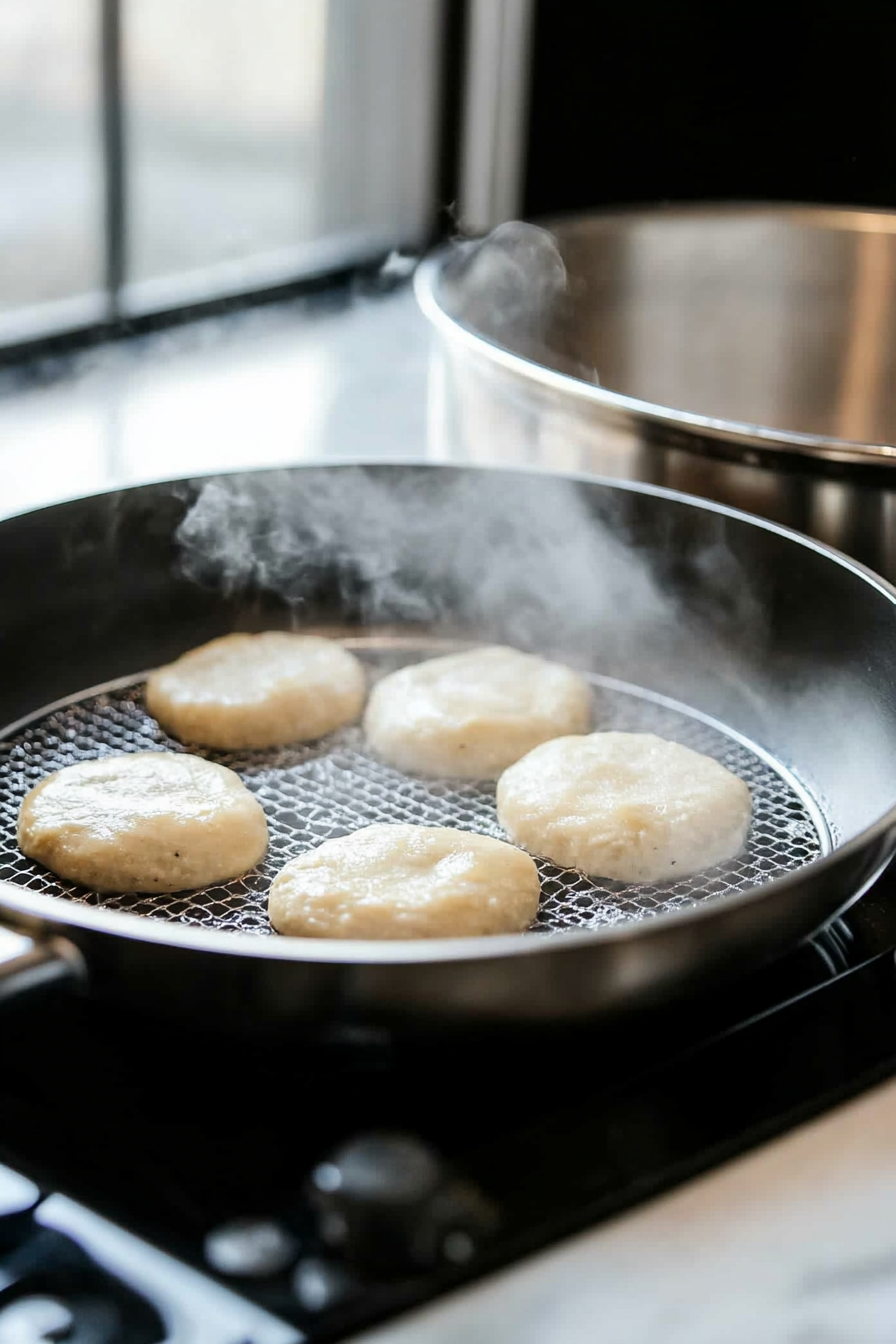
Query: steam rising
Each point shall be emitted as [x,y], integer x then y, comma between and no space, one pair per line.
[428,546]
[513,287]
[509,283]
[521,559]
[525,559]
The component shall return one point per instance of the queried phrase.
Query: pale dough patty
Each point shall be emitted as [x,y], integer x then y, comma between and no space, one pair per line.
[150,821]
[257,691]
[405,882]
[626,806]
[472,714]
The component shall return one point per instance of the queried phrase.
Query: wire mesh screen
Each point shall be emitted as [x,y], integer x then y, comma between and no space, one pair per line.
[328,788]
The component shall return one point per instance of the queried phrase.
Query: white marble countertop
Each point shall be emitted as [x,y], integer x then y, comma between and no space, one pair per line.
[794,1243]
[316,378]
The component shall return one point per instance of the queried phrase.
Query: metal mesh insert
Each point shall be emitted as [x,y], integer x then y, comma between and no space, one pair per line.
[311,793]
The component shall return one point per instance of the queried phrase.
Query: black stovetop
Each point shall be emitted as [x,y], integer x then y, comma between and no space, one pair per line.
[173,1133]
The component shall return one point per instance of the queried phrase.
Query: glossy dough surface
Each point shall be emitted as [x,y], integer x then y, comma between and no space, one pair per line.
[150,821]
[627,806]
[473,714]
[401,881]
[245,691]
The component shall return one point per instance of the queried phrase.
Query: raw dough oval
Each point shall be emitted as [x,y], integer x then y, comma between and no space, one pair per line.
[149,821]
[472,714]
[401,881]
[627,806]
[254,691]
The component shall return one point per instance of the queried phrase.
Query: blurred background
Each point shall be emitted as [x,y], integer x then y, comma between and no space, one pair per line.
[257,165]
[159,153]
[162,153]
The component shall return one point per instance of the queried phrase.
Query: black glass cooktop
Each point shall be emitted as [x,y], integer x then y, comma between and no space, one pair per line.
[337,1182]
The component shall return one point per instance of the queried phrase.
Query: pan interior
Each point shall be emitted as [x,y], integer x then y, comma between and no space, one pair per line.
[328,788]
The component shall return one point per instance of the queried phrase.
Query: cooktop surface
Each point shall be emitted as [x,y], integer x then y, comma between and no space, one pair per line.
[335,1182]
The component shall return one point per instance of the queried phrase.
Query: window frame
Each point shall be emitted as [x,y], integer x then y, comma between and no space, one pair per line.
[127,307]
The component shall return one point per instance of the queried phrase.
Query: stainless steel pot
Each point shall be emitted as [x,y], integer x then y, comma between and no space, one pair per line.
[742,353]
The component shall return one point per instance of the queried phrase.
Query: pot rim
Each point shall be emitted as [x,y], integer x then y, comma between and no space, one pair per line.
[674,428]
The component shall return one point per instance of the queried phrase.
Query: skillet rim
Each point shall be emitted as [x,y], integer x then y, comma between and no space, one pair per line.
[34,911]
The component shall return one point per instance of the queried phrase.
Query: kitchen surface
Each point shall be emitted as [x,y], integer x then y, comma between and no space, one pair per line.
[337,375]
[792,1241]
[380,250]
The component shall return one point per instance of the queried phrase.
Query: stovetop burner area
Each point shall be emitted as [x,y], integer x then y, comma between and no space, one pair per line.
[336,1181]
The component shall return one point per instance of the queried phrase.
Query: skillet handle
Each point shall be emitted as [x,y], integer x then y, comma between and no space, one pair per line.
[29,965]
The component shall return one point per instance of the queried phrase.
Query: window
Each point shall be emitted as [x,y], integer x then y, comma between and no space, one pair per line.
[158,153]
[51,176]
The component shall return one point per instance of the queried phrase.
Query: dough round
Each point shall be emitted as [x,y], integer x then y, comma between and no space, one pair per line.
[626,806]
[150,821]
[257,691]
[473,714]
[403,881]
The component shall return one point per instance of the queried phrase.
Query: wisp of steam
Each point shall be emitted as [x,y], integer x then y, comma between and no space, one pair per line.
[513,288]
[523,559]
[513,557]
[509,283]
[428,545]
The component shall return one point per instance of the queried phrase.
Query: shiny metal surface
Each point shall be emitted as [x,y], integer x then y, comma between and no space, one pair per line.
[30,965]
[743,353]
[787,644]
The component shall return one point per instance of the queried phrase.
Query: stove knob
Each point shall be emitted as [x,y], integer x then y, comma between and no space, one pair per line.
[36,1320]
[322,1285]
[252,1248]
[388,1205]
[18,1200]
